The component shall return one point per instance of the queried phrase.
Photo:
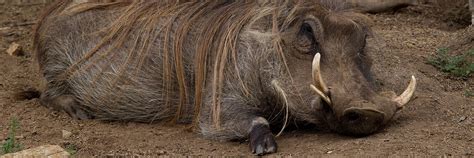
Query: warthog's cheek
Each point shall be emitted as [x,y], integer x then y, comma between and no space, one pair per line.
[316,105]
[385,104]
[322,110]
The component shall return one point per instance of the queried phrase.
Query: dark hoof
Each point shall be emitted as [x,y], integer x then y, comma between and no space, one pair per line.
[28,94]
[262,140]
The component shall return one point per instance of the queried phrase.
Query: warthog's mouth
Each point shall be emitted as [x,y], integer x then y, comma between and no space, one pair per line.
[361,117]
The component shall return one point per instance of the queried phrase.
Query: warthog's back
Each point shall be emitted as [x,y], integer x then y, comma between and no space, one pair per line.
[125,78]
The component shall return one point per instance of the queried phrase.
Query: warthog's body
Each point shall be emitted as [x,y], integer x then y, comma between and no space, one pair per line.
[235,68]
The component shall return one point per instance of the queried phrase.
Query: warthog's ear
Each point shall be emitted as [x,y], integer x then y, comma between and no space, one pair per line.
[361,20]
[309,35]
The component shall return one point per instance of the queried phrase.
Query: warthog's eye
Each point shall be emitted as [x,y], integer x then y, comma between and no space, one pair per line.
[306,41]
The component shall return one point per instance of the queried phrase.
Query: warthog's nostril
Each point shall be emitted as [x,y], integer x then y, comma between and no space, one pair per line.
[360,121]
[353,116]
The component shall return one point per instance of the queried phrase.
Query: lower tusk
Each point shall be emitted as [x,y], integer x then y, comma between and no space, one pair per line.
[321,94]
[316,72]
[405,97]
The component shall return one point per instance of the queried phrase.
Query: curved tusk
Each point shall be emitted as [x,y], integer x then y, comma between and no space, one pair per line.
[318,80]
[321,94]
[405,97]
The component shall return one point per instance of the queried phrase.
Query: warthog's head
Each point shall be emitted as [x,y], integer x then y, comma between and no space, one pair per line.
[331,80]
[349,112]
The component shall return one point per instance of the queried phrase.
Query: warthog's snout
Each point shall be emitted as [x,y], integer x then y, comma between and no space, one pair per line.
[359,117]
[361,121]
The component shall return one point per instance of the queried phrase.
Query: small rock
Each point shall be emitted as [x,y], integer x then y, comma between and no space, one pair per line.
[19,137]
[462,119]
[66,134]
[329,152]
[4,30]
[15,50]
[52,151]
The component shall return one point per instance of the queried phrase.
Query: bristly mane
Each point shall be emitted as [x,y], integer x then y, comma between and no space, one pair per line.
[220,38]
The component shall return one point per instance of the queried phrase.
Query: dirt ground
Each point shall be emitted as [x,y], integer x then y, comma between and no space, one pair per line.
[439,120]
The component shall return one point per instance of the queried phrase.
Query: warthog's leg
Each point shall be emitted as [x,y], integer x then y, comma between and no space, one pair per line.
[261,138]
[57,94]
[240,119]
[68,104]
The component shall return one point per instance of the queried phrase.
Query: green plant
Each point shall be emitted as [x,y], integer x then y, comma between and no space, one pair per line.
[457,65]
[71,149]
[11,145]
[469,93]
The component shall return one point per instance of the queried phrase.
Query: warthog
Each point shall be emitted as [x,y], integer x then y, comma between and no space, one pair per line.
[234,69]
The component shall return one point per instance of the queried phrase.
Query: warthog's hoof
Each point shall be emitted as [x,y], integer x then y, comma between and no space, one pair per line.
[262,140]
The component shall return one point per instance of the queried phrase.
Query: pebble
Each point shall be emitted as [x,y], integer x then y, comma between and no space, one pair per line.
[4,30]
[15,50]
[42,151]
[19,137]
[66,134]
